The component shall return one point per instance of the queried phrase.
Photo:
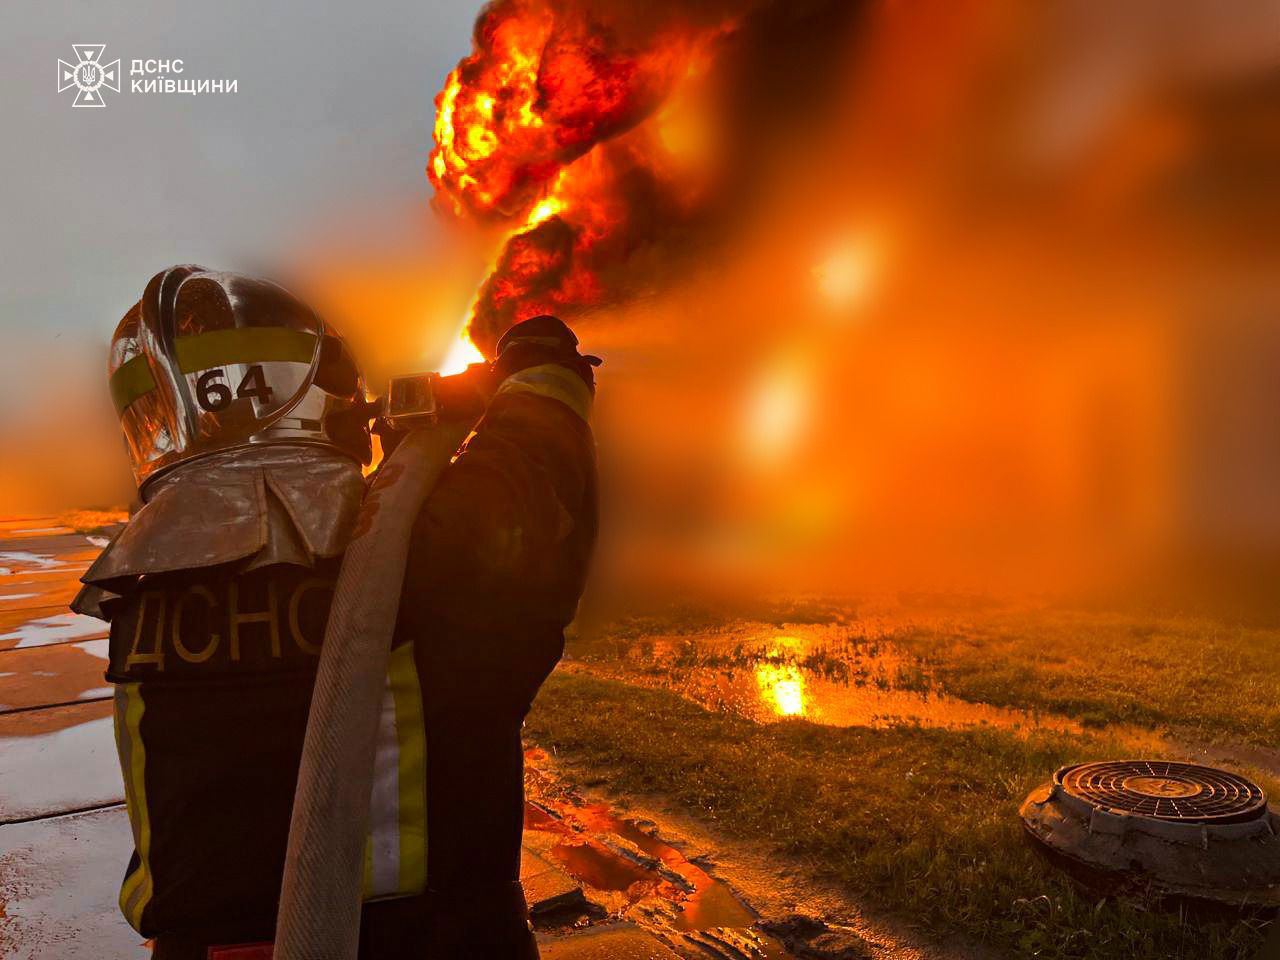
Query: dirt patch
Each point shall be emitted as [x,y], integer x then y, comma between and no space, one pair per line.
[773,895]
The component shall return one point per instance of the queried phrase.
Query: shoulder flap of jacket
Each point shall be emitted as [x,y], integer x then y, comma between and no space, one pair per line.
[295,506]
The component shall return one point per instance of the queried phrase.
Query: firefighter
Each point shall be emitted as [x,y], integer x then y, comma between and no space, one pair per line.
[496,566]
[245,420]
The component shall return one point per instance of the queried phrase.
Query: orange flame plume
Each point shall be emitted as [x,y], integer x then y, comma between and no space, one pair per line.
[543,130]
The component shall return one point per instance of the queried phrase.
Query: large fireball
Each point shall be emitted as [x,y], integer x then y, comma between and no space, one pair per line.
[545,130]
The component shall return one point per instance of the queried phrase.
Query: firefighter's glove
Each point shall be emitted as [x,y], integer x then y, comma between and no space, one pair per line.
[388,436]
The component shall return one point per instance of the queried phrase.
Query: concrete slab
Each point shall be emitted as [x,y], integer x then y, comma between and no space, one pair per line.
[35,527]
[56,760]
[32,527]
[620,942]
[56,674]
[59,541]
[45,556]
[107,520]
[59,879]
[13,617]
[38,520]
[43,571]
[547,888]
[53,590]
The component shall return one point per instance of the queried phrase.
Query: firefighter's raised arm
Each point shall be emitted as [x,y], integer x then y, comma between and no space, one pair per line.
[507,533]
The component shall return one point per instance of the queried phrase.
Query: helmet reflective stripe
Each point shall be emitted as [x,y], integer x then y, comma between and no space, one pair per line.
[395,859]
[131,381]
[217,348]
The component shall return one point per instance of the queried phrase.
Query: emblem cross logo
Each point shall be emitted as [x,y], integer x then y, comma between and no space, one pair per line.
[89,75]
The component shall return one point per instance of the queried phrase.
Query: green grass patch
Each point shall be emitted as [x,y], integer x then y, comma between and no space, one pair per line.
[1203,678]
[920,821]
[689,617]
[1207,677]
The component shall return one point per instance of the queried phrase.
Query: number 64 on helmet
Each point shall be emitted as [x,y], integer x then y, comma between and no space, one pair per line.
[209,361]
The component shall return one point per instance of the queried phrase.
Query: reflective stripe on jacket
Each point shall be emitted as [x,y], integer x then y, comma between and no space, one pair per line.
[213,680]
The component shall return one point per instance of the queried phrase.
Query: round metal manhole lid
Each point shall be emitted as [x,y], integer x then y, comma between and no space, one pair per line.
[1165,790]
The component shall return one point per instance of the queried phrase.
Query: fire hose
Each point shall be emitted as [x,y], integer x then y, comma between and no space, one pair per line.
[320,898]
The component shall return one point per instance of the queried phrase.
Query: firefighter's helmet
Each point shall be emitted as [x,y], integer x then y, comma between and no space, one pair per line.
[210,361]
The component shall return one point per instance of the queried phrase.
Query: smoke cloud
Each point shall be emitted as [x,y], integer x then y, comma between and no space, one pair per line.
[606,138]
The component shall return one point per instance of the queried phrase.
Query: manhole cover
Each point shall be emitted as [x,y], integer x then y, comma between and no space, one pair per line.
[1161,830]
[1165,790]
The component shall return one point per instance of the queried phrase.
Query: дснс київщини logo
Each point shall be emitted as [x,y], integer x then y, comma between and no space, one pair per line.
[92,77]
[89,75]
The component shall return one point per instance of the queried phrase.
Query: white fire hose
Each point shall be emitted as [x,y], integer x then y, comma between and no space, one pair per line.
[320,898]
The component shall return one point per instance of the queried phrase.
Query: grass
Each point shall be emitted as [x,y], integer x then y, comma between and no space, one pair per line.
[921,821]
[1205,679]
[698,618]
[1209,678]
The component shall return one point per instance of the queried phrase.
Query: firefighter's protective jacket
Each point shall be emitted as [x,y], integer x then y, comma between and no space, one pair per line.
[213,664]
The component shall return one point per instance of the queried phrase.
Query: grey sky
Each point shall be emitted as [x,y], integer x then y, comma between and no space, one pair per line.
[334,106]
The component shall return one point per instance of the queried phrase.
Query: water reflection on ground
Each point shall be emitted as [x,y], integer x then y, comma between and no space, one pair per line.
[782,689]
[821,673]
[58,759]
[628,871]
[852,675]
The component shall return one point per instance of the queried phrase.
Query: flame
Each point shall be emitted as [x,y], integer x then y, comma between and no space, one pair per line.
[544,209]
[520,131]
[461,355]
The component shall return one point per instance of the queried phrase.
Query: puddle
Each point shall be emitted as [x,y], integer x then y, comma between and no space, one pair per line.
[772,691]
[59,880]
[636,875]
[825,675]
[708,904]
[59,759]
[58,628]
[816,674]
[16,561]
[599,868]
